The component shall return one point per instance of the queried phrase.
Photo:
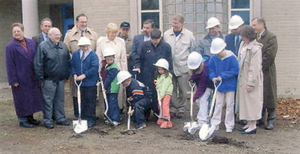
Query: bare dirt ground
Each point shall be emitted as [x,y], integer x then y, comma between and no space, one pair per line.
[285,138]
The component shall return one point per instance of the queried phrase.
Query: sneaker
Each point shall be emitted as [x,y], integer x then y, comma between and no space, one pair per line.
[116,123]
[217,127]
[228,130]
[159,121]
[140,126]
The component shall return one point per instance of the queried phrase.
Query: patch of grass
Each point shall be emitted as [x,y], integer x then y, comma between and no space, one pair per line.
[6,133]
[8,102]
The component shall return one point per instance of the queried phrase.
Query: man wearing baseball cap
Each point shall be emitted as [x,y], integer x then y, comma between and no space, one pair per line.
[124,34]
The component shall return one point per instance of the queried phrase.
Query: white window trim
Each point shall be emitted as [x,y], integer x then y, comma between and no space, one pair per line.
[255,9]
[140,11]
[231,9]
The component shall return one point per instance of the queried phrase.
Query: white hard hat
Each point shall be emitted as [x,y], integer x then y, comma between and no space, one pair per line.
[122,76]
[235,22]
[84,41]
[217,45]
[162,63]
[194,60]
[212,22]
[108,52]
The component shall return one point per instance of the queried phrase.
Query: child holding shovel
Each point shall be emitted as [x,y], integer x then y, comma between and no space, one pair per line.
[84,67]
[164,89]
[136,95]
[198,66]
[224,66]
[111,87]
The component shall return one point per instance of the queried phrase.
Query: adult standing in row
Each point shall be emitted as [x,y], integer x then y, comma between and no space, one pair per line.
[148,54]
[45,26]
[234,39]
[182,43]
[213,26]
[269,51]
[138,40]
[124,34]
[27,95]
[250,80]
[118,44]
[71,40]
[51,65]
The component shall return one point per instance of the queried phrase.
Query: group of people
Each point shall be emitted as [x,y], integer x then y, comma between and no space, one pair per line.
[150,69]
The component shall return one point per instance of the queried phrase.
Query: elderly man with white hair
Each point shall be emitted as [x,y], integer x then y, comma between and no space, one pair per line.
[51,66]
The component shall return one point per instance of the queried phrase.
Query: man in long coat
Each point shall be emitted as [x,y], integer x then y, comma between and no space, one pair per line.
[269,50]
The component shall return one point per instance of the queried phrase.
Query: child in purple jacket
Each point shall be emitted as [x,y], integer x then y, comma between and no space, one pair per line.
[198,66]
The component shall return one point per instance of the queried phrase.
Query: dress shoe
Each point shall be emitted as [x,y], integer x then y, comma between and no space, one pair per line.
[91,124]
[25,124]
[64,123]
[250,132]
[243,122]
[49,126]
[242,129]
[34,122]
[270,127]
[259,123]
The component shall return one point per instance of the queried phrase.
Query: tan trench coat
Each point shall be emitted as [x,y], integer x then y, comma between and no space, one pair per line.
[250,62]
[118,44]
[71,40]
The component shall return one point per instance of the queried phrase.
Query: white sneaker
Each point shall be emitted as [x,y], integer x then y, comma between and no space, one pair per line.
[229,130]
[116,123]
[217,127]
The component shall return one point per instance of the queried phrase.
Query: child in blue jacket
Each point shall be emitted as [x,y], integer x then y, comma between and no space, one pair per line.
[84,67]
[136,96]
[110,85]
[223,66]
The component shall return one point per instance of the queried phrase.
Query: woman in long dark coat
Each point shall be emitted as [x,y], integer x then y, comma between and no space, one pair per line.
[27,96]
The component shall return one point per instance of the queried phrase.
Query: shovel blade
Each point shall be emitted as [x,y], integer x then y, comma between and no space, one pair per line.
[192,129]
[206,131]
[80,127]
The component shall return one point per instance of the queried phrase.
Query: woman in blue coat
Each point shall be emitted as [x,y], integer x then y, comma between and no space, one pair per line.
[27,96]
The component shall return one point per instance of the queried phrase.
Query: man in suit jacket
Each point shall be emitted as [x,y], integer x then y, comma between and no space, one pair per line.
[234,39]
[138,40]
[46,25]
[269,50]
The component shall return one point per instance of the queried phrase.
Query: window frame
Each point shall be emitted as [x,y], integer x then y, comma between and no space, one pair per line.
[250,9]
[140,11]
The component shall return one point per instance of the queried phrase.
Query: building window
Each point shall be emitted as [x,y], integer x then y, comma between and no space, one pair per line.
[241,8]
[150,9]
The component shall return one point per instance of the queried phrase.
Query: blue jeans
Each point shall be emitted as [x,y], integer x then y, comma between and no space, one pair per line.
[53,100]
[113,109]
[140,108]
[88,103]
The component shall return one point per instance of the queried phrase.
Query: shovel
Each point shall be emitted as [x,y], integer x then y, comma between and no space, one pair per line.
[79,125]
[106,104]
[128,131]
[191,126]
[160,109]
[207,129]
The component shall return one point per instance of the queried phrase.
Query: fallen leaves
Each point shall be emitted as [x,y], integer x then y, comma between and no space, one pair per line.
[288,108]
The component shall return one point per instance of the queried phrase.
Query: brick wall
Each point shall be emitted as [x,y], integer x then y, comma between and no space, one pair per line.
[101,12]
[283,19]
